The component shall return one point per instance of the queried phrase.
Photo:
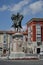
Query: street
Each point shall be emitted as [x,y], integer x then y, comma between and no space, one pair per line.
[21,62]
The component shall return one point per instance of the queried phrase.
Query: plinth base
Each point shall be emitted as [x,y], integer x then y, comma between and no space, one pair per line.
[22,56]
[17,55]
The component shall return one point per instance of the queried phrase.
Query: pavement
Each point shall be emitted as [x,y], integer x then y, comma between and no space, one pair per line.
[21,62]
[4,61]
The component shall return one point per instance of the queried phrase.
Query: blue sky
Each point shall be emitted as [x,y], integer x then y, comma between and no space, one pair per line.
[29,9]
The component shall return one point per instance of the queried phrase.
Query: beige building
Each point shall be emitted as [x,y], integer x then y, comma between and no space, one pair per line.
[7,42]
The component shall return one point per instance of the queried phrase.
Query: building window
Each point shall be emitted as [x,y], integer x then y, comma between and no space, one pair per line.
[38,38]
[38,33]
[38,50]
[0,48]
[4,41]
[5,38]
[38,26]
[38,43]
[23,49]
[38,29]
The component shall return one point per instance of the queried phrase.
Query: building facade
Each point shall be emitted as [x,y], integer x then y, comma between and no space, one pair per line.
[7,42]
[35,34]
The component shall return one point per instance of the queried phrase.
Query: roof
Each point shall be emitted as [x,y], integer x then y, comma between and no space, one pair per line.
[7,32]
[12,32]
[35,19]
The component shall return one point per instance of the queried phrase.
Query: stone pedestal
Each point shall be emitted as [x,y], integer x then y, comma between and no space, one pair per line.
[17,43]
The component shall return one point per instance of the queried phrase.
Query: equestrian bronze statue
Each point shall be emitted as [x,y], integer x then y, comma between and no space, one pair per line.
[17,19]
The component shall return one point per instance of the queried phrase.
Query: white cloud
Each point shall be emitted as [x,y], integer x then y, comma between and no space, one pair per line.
[25,10]
[33,8]
[36,7]
[25,7]
[18,7]
[3,8]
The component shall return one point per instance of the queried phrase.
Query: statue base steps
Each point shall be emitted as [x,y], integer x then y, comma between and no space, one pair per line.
[22,56]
